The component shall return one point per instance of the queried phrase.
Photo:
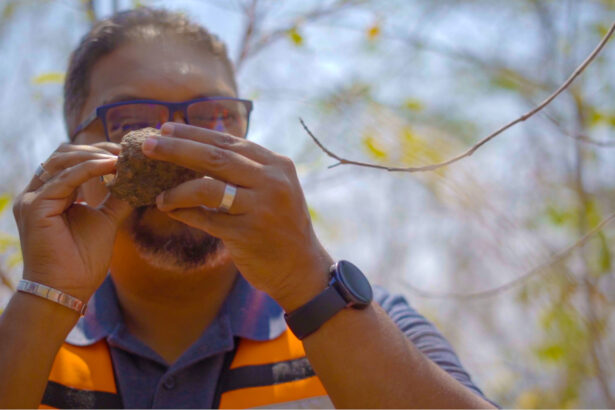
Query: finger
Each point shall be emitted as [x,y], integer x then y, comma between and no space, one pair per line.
[111,147]
[223,140]
[62,160]
[216,162]
[203,191]
[67,181]
[115,208]
[218,224]
[102,147]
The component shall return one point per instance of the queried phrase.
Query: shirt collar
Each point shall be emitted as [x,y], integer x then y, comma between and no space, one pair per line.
[252,314]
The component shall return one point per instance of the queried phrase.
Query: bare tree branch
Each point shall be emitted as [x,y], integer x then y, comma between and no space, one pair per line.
[90,11]
[559,257]
[471,150]
[588,140]
[579,137]
[595,339]
[244,49]
[314,15]
[588,270]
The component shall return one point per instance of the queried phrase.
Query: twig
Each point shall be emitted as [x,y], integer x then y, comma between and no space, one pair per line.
[580,137]
[584,210]
[595,338]
[90,11]
[538,269]
[247,36]
[311,16]
[472,149]
[588,140]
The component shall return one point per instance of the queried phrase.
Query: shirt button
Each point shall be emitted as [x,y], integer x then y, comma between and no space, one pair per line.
[169,383]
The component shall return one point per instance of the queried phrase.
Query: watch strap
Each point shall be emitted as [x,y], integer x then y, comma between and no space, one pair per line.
[308,318]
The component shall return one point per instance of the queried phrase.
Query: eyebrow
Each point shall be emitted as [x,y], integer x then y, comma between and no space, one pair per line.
[129,97]
[121,98]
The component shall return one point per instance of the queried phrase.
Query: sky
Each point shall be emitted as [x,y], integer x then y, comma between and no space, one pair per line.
[398,228]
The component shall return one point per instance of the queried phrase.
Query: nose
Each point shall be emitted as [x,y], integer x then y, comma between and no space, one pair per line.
[178,117]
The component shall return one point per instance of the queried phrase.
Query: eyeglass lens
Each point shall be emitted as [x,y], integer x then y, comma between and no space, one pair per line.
[222,115]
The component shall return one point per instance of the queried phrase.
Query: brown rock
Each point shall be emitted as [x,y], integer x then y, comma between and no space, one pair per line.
[139,179]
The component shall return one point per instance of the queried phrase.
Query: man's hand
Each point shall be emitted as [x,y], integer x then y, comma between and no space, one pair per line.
[68,245]
[267,230]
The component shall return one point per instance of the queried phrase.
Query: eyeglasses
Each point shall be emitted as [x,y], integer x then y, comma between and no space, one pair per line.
[224,114]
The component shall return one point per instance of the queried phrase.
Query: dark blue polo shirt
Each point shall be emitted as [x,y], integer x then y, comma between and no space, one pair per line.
[146,381]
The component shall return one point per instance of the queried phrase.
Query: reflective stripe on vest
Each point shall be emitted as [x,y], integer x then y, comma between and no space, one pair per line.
[82,377]
[255,374]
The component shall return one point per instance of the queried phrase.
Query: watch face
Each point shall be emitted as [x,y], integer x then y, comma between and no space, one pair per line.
[355,282]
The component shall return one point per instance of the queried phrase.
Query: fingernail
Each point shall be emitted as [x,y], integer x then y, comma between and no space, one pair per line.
[149,145]
[160,200]
[167,129]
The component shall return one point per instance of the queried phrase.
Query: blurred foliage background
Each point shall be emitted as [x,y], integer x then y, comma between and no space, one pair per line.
[407,83]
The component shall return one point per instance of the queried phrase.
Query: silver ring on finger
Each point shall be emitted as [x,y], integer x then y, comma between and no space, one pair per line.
[42,174]
[230,191]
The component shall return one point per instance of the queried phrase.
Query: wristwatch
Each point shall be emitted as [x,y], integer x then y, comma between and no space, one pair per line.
[348,287]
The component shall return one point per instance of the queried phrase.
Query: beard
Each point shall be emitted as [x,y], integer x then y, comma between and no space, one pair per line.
[184,249]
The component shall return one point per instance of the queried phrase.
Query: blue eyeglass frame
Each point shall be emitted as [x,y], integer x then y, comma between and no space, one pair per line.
[101,111]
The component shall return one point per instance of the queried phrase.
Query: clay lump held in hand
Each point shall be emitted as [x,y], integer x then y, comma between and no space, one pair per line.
[140,179]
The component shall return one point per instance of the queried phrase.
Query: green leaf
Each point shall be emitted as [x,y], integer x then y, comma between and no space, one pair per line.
[552,353]
[373,148]
[601,29]
[416,149]
[505,82]
[413,104]
[597,117]
[563,320]
[295,36]
[604,256]
[5,200]
[9,10]
[373,32]
[558,217]
[314,215]
[593,214]
[49,78]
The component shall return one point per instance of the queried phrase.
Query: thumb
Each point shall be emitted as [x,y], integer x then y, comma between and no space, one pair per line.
[115,208]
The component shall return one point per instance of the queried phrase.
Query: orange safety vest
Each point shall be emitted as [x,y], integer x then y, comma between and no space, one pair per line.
[255,374]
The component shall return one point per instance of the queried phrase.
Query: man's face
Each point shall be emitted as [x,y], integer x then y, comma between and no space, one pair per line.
[167,70]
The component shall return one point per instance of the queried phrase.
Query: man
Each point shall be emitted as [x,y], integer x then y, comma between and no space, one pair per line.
[170,321]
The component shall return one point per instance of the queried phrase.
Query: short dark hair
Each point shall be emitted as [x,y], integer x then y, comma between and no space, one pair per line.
[108,34]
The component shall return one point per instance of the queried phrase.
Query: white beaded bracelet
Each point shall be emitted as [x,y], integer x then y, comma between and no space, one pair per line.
[53,295]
